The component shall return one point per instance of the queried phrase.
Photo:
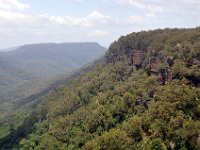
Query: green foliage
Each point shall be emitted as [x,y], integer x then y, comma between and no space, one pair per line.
[30,71]
[157,144]
[115,139]
[114,106]
[12,123]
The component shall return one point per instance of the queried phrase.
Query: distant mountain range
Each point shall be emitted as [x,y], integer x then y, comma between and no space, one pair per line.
[45,60]
[143,95]
[24,66]
[49,59]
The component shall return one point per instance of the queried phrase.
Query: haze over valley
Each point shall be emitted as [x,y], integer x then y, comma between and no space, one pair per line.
[99,75]
[30,69]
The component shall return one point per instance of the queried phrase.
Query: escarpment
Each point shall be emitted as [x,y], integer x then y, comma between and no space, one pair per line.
[138,58]
[166,54]
[156,66]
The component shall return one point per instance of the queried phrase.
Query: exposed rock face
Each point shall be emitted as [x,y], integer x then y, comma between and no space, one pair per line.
[196,62]
[170,61]
[161,68]
[141,101]
[157,66]
[169,74]
[138,58]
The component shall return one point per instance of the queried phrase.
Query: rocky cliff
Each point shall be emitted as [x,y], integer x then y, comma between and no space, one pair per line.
[166,54]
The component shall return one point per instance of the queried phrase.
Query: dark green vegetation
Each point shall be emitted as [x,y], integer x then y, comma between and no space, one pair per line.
[30,71]
[145,96]
[53,59]
[38,61]
[35,61]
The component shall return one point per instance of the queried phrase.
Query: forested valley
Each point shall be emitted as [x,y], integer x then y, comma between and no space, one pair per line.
[29,72]
[143,95]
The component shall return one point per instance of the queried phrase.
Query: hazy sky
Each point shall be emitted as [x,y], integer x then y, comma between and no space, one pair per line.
[103,21]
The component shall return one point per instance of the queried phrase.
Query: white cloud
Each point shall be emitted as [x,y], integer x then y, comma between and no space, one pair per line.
[154,8]
[125,16]
[79,1]
[142,20]
[98,33]
[44,28]
[95,18]
[47,28]
[12,4]
[11,16]
[150,6]
[134,3]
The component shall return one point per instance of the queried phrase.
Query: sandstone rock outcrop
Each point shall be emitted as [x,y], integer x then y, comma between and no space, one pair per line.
[159,67]
[138,59]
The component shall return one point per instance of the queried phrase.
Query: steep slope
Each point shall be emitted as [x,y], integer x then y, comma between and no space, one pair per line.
[11,76]
[27,70]
[51,59]
[145,96]
[38,61]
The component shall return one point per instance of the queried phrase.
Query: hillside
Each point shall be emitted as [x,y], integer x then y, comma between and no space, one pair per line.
[145,96]
[10,75]
[38,61]
[50,59]
[29,71]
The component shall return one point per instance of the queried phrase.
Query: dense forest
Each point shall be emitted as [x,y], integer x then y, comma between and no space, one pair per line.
[145,95]
[30,71]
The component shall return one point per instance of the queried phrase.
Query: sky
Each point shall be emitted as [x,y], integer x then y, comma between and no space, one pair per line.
[102,21]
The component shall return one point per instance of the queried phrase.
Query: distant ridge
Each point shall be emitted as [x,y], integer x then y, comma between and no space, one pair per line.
[143,95]
[31,69]
[47,59]
[44,60]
